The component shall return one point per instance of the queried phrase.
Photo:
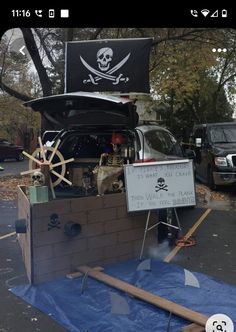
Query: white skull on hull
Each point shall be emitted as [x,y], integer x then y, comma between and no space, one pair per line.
[104,57]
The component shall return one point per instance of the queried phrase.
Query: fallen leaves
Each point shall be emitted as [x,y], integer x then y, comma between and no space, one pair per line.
[8,186]
[205,194]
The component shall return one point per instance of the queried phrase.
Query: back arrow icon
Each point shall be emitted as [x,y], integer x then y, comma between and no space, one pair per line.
[21,50]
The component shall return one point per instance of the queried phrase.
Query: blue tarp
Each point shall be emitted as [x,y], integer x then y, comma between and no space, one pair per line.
[93,311]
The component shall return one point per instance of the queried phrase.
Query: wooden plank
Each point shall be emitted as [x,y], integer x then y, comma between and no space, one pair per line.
[193,328]
[7,235]
[80,274]
[141,294]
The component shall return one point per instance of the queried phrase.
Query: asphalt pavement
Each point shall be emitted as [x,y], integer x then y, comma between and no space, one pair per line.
[11,167]
[215,250]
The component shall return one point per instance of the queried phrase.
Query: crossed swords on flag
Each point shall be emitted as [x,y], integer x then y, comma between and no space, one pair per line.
[107,75]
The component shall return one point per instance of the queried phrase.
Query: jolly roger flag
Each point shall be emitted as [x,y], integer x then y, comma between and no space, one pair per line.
[108,65]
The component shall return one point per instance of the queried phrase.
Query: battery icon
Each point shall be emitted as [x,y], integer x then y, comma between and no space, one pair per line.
[51,13]
[224,13]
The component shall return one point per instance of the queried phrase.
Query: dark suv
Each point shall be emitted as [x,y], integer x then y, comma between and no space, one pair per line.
[86,124]
[215,149]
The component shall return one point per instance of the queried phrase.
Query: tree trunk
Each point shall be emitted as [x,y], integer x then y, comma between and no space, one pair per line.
[32,48]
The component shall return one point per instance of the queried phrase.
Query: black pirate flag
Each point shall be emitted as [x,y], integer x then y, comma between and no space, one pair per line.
[108,65]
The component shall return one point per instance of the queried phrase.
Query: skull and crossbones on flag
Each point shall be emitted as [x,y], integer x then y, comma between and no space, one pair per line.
[104,58]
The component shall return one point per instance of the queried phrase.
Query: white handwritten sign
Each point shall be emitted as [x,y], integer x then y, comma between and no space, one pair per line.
[158,185]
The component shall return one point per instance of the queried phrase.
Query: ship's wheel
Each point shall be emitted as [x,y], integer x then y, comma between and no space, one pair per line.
[46,156]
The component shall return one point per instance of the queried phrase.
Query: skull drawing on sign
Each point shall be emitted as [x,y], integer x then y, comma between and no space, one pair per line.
[104,57]
[161,185]
[38,178]
[161,182]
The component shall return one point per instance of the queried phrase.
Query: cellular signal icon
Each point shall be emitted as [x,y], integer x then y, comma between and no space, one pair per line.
[205,12]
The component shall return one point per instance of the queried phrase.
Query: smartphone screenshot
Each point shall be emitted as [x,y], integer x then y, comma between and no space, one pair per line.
[118,168]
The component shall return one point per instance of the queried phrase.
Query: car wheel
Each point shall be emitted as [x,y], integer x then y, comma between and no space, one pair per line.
[210,179]
[20,157]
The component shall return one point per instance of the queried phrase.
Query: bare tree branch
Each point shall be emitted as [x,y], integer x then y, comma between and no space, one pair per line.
[46,50]
[69,34]
[13,92]
[228,79]
[142,32]
[96,33]
[192,34]
[33,51]
[4,58]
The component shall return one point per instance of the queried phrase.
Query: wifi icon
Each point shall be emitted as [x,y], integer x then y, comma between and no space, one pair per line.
[205,12]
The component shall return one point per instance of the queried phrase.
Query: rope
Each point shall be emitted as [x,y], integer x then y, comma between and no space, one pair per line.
[183,242]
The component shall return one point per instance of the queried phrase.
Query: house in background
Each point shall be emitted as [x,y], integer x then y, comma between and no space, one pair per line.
[149,110]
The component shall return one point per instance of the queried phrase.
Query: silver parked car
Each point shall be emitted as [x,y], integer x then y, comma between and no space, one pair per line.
[157,143]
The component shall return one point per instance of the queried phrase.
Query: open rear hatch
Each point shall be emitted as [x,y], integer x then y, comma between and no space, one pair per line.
[73,110]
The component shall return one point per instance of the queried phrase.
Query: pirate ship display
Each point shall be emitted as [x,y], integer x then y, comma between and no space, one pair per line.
[96,141]
[58,235]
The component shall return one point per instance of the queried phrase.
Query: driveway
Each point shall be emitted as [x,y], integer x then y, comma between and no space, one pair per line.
[12,167]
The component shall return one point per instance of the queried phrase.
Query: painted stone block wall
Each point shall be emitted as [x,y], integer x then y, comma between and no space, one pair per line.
[108,234]
[24,212]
